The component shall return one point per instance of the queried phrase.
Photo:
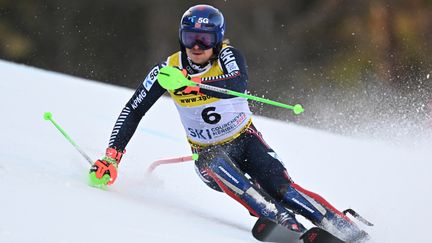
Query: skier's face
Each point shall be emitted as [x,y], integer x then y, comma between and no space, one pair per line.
[198,55]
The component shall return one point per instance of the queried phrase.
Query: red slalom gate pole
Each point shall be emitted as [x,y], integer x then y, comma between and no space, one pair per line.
[181,159]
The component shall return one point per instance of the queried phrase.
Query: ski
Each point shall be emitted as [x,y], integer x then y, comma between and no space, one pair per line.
[318,235]
[268,231]
[357,216]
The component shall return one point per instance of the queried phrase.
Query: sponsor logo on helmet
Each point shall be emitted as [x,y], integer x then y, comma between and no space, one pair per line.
[199,20]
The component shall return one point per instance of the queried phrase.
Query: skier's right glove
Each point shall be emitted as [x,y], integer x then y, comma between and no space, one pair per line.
[104,171]
[190,89]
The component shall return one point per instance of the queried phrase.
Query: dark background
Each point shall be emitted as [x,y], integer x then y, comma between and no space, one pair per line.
[356,66]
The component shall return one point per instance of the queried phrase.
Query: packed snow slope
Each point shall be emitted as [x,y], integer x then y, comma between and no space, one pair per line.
[43,179]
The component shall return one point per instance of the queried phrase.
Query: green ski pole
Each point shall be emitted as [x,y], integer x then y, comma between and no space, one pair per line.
[48,117]
[171,78]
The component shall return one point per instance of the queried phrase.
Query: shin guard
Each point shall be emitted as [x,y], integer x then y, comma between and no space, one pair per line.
[319,211]
[234,183]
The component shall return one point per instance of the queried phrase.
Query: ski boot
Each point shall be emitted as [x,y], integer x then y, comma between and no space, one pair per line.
[321,213]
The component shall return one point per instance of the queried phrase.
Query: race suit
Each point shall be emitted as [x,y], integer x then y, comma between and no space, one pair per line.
[233,156]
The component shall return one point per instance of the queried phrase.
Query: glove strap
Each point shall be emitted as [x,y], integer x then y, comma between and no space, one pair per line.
[113,156]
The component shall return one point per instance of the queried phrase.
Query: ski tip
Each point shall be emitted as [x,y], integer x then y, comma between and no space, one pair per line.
[357,216]
[47,116]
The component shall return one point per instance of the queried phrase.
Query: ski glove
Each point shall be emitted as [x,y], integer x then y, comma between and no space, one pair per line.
[104,171]
[190,89]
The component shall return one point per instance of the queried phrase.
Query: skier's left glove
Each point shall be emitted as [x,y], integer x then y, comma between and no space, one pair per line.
[190,89]
[104,171]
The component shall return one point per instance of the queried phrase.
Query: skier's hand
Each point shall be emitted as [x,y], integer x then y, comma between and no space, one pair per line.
[190,89]
[104,171]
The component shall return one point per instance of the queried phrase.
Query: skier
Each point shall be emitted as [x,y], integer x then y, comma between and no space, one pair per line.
[233,156]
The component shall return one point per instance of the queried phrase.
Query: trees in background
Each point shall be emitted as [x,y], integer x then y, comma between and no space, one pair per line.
[315,51]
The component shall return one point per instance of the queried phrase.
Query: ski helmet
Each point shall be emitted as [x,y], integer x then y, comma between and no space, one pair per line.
[202,25]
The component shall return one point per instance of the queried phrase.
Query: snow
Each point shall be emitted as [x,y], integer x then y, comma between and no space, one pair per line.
[43,179]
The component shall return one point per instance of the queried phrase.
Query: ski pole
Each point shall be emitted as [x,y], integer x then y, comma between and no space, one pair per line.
[181,159]
[48,117]
[171,78]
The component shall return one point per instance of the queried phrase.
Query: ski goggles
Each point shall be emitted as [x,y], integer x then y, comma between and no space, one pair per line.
[204,40]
